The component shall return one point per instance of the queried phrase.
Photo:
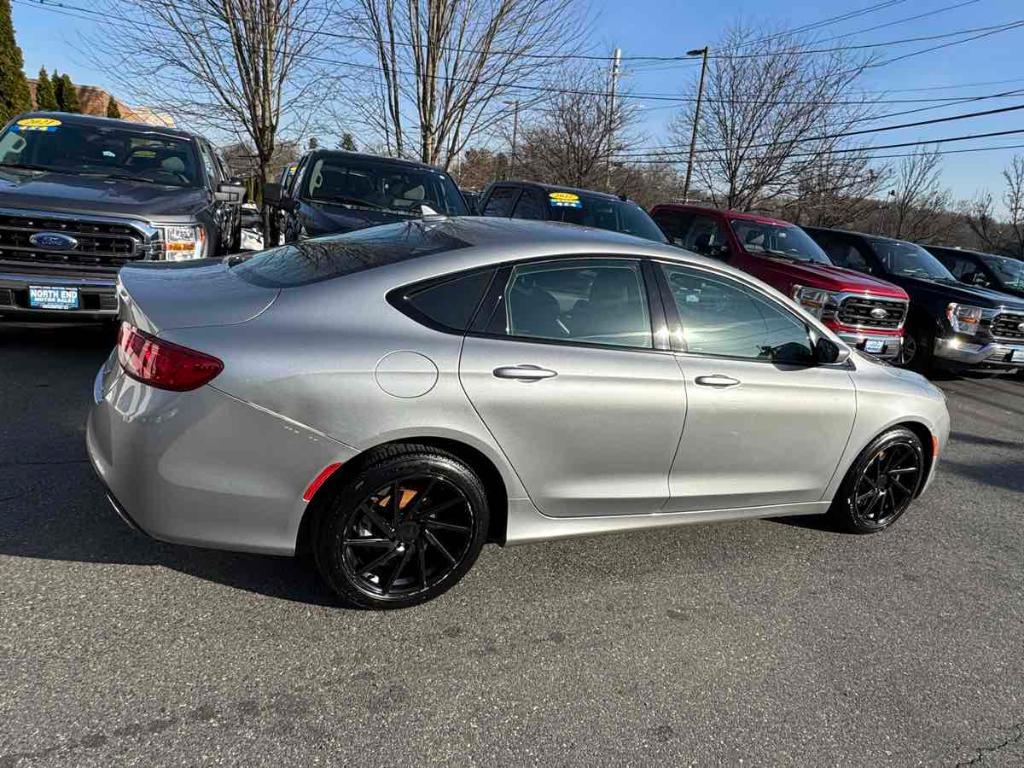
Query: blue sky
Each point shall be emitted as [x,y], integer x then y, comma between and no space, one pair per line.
[669,27]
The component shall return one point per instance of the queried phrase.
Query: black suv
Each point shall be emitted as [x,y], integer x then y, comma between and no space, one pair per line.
[986,270]
[333,191]
[532,200]
[81,196]
[950,324]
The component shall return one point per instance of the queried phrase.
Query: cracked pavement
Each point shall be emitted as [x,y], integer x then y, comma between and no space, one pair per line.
[772,643]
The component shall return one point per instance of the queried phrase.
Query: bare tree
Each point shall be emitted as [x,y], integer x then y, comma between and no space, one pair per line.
[235,67]
[836,190]
[978,213]
[571,138]
[444,68]
[1013,198]
[769,109]
[917,200]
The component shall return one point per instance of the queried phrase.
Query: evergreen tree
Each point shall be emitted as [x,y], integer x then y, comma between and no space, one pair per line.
[70,95]
[15,96]
[46,99]
[57,83]
[348,142]
[112,109]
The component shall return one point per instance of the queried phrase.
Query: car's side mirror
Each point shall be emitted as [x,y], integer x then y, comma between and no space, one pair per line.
[230,192]
[827,352]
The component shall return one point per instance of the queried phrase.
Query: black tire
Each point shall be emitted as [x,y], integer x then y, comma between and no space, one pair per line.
[918,351]
[867,503]
[379,554]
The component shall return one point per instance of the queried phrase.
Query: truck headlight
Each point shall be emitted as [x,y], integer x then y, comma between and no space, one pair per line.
[817,301]
[183,242]
[964,318]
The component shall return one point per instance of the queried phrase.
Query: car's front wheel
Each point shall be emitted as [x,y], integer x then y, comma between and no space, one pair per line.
[403,530]
[881,484]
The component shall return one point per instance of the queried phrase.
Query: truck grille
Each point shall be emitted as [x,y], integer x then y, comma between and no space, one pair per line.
[101,245]
[857,311]
[1008,326]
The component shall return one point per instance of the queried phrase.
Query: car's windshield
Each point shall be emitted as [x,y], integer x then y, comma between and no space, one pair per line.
[51,144]
[909,260]
[786,241]
[1009,271]
[323,258]
[603,213]
[366,183]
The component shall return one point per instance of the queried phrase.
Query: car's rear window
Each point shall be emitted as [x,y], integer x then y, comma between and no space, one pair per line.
[323,258]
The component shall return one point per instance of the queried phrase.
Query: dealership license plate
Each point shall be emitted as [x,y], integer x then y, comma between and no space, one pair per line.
[47,297]
[874,347]
[1018,356]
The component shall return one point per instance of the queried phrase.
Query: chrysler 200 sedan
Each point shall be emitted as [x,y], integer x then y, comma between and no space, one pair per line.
[390,399]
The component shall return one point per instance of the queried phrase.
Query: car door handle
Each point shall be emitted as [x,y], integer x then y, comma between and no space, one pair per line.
[524,372]
[717,380]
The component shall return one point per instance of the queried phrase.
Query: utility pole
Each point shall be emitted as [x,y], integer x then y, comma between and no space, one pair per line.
[696,117]
[515,130]
[611,118]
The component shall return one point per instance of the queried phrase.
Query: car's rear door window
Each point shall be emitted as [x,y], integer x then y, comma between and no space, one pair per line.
[581,301]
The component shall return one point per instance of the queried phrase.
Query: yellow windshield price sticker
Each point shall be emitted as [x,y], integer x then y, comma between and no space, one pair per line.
[564,200]
[144,153]
[38,124]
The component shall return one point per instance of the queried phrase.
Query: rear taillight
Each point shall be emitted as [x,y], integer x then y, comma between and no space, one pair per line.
[162,364]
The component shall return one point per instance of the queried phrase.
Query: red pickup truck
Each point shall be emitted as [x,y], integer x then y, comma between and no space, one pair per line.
[866,313]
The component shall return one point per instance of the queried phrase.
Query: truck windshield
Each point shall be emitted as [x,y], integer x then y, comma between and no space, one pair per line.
[786,241]
[1009,271]
[91,149]
[603,213]
[367,183]
[909,260]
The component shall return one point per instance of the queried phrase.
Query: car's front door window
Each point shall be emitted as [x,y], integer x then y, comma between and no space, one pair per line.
[583,301]
[723,318]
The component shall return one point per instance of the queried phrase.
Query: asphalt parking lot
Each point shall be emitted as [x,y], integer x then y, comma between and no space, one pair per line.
[760,643]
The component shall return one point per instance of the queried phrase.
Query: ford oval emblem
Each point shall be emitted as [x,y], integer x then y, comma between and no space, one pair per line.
[879,314]
[53,241]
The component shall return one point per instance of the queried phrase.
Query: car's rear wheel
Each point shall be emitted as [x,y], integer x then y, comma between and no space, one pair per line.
[404,530]
[882,483]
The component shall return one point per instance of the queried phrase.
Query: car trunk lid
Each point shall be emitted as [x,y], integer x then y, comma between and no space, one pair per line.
[161,296]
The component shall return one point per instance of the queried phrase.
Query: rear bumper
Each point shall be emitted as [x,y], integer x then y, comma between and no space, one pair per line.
[97,296]
[891,346]
[991,355]
[203,468]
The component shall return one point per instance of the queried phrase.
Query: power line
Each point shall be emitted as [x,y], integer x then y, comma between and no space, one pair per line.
[847,150]
[905,19]
[831,20]
[845,134]
[52,4]
[658,97]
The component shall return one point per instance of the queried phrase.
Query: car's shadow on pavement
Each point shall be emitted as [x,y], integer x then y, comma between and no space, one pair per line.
[51,504]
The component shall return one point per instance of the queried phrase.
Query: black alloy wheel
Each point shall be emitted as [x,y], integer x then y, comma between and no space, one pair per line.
[882,483]
[404,531]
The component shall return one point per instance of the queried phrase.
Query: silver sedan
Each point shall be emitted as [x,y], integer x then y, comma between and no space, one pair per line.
[391,399]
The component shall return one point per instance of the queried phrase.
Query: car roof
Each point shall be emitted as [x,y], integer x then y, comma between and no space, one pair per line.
[374,158]
[954,249]
[695,207]
[558,188]
[110,122]
[865,235]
